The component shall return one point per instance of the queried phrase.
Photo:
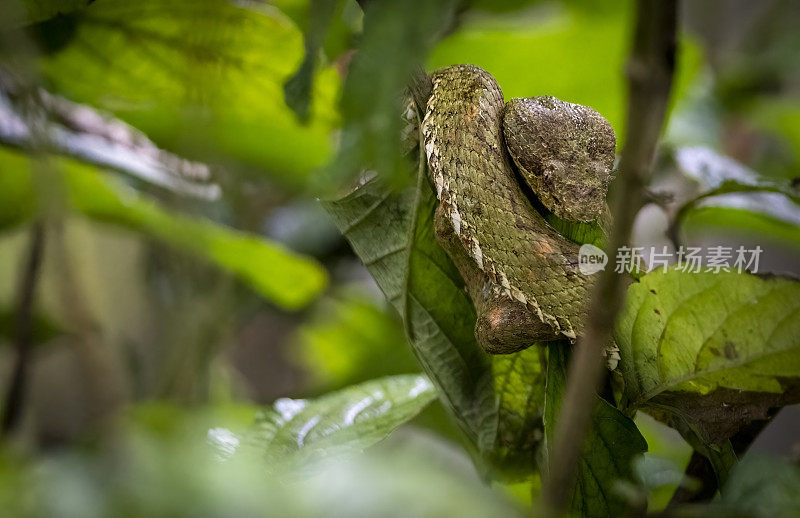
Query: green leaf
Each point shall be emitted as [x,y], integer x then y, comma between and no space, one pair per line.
[347,420]
[201,78]
[392,233]
[397,36]
[44,328]
[519,383]
[716,349]
[287,279]
[297,88]
[730,195]
[497,401]
[612,443]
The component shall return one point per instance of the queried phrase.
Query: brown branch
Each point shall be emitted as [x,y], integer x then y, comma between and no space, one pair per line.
[23,333]
[650,70]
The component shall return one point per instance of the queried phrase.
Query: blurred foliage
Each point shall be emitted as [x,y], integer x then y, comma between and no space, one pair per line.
[349,339]
[281,97]
[542,48]
[253,259]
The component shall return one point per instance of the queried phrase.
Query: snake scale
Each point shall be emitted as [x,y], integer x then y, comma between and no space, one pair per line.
[497,169]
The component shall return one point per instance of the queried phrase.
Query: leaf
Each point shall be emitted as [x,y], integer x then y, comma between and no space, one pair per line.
[397,36]
[611,445]
[745,221]
[497,401]
[43,327]
[763,486]
[392,233]
[203,78]
[297,88]
[727,190]
[716,349]
[718,174]
[287,279]
[347,420]
[519,386]
[17,13]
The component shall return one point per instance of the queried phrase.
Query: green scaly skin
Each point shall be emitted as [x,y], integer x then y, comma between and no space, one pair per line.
[521,273]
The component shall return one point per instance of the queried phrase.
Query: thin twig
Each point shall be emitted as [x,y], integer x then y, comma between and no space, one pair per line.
[650,70]
[23,332]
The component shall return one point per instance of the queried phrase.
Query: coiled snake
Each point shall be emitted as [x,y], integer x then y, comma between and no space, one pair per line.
[520,272]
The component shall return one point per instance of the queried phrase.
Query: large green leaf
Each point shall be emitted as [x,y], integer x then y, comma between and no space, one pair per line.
[392,233]
[287,279]
[204,78]
[608,453]
[497,400]
[716,349]
[347,420]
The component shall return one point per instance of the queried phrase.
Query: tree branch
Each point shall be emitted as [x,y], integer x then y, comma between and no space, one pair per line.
[83,133]
[23,332]
[650,70]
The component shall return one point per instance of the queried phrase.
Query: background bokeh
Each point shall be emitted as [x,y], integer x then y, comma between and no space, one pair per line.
[201,308]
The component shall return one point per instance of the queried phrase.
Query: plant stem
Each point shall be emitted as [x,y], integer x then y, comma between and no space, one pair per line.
[23,332]
[649,70]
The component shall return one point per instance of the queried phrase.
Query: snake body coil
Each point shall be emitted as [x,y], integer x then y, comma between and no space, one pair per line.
[522,275]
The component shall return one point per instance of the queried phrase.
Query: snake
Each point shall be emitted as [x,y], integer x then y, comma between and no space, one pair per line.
[507,177]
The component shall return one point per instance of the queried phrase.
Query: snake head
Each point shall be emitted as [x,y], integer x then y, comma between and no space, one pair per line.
[564,151]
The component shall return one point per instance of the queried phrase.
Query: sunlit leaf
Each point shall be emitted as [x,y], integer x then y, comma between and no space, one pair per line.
[204,78]
[297,88]
[287,279]
[348,420]
[717,349]
[607,456]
